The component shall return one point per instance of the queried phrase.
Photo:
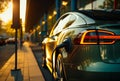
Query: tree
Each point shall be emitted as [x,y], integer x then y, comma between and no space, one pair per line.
[3,5]
[8,30]
[109,4]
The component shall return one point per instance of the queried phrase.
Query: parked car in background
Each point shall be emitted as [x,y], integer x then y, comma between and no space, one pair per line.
[84,46]
[2,41]
[10,40]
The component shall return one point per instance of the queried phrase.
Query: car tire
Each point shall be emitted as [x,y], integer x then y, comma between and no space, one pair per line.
[58,71]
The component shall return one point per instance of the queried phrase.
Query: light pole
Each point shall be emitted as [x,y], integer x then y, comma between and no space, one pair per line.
[16,25]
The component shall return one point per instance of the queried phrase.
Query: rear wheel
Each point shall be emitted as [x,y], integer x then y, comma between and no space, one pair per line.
[58,72]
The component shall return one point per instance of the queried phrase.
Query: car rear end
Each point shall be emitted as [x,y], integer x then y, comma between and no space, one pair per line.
[96,54]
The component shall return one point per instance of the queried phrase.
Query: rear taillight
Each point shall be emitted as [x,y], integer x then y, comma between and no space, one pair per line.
[96,37]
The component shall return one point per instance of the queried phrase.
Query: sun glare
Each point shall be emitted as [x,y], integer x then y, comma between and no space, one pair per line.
[22,9]
[7,15]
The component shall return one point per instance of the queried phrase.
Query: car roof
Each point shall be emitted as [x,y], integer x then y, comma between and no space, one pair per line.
[102,14]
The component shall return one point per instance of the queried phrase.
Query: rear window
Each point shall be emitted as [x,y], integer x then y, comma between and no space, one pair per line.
[102,14]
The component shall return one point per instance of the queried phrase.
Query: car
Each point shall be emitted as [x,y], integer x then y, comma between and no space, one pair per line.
[10,40]
[2,41]
[84,45]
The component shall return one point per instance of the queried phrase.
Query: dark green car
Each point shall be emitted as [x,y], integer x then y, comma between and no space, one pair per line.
[84,46]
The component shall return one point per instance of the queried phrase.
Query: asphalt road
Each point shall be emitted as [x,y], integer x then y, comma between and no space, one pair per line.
[38,55]
[6,52]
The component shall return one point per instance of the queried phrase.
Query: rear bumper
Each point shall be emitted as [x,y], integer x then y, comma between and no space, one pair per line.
[92,76]
[73,74]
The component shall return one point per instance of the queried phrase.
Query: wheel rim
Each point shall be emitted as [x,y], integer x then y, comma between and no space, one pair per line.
[59,68]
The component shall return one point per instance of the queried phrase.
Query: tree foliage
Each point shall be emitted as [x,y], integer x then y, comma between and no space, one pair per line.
[109,4]
[3,5]
[7,29]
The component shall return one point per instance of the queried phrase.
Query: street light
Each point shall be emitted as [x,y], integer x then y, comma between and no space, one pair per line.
[54,13]
[64,3]
[43,22]
[50,17]
[16,24]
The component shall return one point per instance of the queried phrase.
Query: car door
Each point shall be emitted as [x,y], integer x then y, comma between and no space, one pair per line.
[51,41]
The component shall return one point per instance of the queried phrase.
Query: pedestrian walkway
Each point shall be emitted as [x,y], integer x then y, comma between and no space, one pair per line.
[27,67]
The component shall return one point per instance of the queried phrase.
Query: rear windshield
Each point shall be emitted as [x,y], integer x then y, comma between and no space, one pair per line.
[102,14]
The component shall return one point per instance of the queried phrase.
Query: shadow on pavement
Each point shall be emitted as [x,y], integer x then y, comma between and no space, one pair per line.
[17,75]
[38,53]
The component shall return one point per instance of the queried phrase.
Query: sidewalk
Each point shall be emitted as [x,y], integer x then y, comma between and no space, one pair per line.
[29,69]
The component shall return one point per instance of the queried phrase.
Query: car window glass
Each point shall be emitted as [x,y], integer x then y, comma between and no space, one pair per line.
[57,25]
[61,24]
[80,21]
[70,21]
